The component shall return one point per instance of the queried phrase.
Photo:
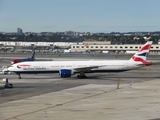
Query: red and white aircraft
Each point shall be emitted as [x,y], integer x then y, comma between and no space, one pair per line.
[17,60]
[68,68]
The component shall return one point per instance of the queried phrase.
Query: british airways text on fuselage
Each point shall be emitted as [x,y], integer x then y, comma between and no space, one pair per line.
[35,68]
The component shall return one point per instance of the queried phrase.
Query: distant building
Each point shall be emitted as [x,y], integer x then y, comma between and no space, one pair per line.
[69,33]
[108,48]
[19,31]
[96,42]
[158,41]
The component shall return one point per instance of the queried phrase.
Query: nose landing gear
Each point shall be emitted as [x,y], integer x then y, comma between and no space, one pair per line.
[19,75]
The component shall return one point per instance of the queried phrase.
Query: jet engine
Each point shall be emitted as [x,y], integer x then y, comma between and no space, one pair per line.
[66,73]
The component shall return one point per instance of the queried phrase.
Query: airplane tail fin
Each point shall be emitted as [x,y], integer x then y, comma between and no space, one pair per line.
[142,54]
[33,54]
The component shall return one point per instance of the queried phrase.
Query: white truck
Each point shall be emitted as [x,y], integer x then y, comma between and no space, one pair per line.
[131,52]
[105,51]
[67,51]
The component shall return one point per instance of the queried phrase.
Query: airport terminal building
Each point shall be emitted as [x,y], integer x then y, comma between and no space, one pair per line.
[87,46]
[106,47]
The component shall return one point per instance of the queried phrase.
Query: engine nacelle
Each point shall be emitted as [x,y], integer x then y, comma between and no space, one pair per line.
[66,73]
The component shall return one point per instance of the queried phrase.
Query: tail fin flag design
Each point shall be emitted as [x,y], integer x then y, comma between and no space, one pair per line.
[142,54]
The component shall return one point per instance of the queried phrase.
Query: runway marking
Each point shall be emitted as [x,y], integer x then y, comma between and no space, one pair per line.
[108,108]
[58,105]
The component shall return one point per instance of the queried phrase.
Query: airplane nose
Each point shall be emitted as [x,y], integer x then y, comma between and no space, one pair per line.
[9,69]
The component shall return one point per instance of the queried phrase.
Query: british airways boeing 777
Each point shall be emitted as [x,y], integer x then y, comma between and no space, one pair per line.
[68,68]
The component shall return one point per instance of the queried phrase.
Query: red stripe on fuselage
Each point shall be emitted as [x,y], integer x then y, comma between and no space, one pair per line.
[23,65]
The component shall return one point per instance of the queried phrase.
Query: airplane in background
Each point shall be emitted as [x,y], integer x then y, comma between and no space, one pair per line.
[68,68]
[17,60]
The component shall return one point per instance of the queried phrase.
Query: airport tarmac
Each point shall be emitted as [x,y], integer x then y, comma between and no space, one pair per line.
[49,97]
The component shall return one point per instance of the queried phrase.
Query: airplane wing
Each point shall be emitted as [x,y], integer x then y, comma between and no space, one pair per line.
[84,69]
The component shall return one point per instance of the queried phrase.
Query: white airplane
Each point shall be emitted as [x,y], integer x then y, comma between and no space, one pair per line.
[68,68]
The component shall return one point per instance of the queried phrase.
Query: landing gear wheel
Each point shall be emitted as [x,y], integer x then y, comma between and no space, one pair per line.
[78,76]
[81,76]
[19,75]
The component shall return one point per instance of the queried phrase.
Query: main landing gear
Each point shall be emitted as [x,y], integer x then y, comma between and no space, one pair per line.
[81,76]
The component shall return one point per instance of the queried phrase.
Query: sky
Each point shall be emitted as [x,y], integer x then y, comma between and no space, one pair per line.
[80,15]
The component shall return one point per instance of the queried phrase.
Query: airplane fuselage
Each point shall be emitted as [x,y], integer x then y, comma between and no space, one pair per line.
[56,66]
